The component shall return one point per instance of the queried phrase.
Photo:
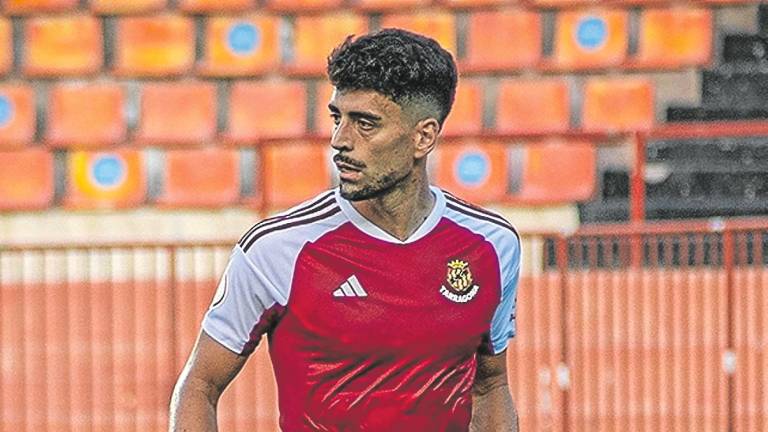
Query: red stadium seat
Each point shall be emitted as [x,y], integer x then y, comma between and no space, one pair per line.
[86,115]
[464,4]
[26,179]
[280,112]
[6,46]
[618,104]
[473,170]
[201,178]
[439,25]
[561,3]
[502,40]
[207,6]
[323,120]
[105,179]
[20,7]
[674,37]
[118,7]
[177,113]
[533,106]
[590,39]
[381,5]
[66,45]
[315,36]
[302,5]
[18,118]
[466,116]
[245,45]
[282,187]
[154,46]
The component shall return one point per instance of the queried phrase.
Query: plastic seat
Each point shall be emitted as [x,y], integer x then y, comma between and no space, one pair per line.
[240,46]
[105,179]
[502,40]
[154,46]
[302,5]
[282,187]
[197,6]
[86,116]
[674,37]
[473,170]
[119,7]
[18,118]
[590,39]
[22,7]
[177,113]
[466,116]
[68,45]
[618,104]
[267,110]
[26,179]
[533,106]
[557,171]
[438,24]
[383,5]
[560,3]
[465,4]
[323,120]
[6,46]
[201,178]
[315,36]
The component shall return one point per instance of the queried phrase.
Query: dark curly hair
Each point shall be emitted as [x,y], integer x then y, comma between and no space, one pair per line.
[406,67]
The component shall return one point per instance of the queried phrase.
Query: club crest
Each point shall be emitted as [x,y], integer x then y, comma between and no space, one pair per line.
[460,287]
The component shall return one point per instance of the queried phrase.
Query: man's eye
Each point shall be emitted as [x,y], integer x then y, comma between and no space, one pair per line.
[366,125]
[336,118]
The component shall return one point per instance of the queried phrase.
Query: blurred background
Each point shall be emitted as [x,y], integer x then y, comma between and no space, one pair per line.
[626,139]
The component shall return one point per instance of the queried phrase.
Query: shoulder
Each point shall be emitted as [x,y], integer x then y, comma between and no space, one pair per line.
[480,220]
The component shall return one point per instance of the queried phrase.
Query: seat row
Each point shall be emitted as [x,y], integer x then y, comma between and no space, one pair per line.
[165,45]
[195,114]
[280,175]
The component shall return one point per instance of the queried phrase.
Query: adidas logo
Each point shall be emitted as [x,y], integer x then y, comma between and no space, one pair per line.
[350,288]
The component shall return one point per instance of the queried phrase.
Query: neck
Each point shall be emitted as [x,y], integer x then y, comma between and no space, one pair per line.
[401,210]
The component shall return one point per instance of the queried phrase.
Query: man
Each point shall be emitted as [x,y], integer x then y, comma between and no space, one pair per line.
[388,303]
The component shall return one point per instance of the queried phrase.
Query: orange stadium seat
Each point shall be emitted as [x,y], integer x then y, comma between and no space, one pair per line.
[86,115]
[473,170]
[380,5]
[302,5]
[439,25]
[533,106]
[674,37]
[117,7]
[105,179]
[240,46]
[618,104]
[6,46]
[315,36]
[282,187]
[201,178]
[17,7]
[280,110]
[18,117]
[463,4]
[466,116]
[177,113]
[502,40]
[215,5]
[323,120]
[62,45]
[26,179]
[561,3]
[557,171]
[154,46]
[590,39]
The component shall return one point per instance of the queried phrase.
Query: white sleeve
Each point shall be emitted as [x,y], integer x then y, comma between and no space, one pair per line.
[503,323]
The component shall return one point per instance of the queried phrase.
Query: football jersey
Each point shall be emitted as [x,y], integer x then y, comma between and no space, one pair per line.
[367,332]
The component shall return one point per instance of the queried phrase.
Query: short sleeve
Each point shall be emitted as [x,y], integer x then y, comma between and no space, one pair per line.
[244,307]
[503,322]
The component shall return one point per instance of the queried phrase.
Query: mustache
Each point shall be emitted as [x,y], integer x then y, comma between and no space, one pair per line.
[340,158]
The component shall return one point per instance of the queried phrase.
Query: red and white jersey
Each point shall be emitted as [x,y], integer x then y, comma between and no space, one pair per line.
[368,332]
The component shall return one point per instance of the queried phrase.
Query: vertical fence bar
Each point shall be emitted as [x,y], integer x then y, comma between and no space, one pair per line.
[728,264]
[561,257]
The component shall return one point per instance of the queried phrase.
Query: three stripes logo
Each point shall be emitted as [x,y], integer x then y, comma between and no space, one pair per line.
[350,288]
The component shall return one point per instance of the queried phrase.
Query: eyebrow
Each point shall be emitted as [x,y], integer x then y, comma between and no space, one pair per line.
[356,114]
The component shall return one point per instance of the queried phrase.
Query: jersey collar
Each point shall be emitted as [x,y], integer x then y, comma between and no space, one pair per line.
[368,227]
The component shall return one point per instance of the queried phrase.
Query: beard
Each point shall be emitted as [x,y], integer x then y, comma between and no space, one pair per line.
[373,189]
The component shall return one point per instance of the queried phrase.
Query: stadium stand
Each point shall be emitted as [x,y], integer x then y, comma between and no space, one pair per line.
[437,24]
[591,39]
[465,4]
[518,112]
[280,111]
[314,36]
[18,118]
[120,7]
[466,117]
[474,170]
[86,115]
[178,113]
[504,40]
[26,179]
[24,7]
[105,180]
[62,45]
[154,46]
[323,121]
[6,46]
[557,171]
[214,6]
[386,5]
[185,184]
[618,104]
[674,37]
[240,46]
[280,185]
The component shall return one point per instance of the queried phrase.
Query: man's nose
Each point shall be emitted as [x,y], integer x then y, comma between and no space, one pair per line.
[340,137]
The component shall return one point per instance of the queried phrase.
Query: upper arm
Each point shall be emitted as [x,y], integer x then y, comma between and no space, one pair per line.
[211,366]
[503,323]
[491,372]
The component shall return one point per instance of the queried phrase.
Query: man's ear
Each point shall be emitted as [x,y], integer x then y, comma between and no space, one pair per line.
[426,134]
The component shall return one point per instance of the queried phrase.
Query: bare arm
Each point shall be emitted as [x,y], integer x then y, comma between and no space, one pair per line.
[492,406]
[210,368]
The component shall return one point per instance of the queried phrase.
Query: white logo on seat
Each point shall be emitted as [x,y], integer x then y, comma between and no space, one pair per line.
[350,288]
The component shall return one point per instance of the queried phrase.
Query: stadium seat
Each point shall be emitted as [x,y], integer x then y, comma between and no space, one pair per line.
[382,5]
[302,5]
[281,187]
[466,116]
[154,46]
[438,24]
[267,110]
[590,39]
[62,45]
[18,117]
[86,115]
[557,171]
[674,37]
[246,45]
[105,179]
[465,4]
[323,120]
[207,6]
[618,104]
[315,36]
[200,178]
[473,170]
[26,179]
[502,40]
[22,7]
[177,113]
[119,7]
[6,46]
[533,106]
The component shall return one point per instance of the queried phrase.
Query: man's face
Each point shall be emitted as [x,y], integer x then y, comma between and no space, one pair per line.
[375,143]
